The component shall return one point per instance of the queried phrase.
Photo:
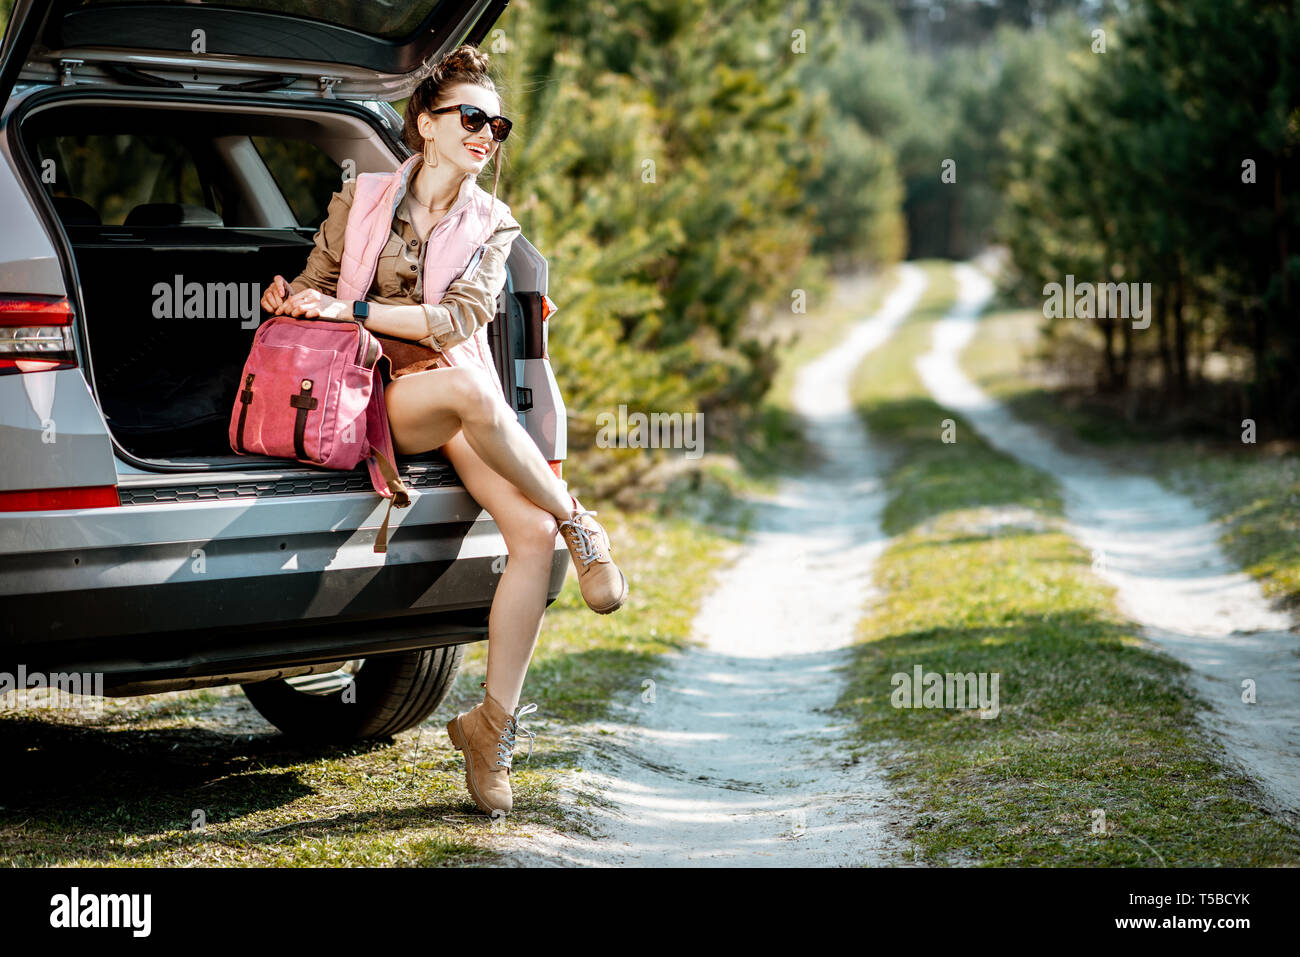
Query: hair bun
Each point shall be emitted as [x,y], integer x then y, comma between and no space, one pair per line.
[464,59]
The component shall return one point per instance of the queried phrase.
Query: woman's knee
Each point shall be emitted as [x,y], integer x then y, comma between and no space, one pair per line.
[474,393]
[530,531]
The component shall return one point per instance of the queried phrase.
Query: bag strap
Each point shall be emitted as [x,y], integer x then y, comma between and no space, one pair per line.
[398,496]
[383,473]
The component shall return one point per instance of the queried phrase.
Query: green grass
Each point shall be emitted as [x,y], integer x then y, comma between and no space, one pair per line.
[1253,489]
[121,788]
[980,578]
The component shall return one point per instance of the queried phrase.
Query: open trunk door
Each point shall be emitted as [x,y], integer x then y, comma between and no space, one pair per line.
[358,49]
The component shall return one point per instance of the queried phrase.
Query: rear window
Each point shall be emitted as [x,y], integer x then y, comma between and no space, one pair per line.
[307,177]
[116,173]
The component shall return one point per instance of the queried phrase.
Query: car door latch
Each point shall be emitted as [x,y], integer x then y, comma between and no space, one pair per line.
[67,66]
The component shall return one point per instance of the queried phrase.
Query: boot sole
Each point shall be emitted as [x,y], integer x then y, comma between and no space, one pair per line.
[461,745]
[617,604]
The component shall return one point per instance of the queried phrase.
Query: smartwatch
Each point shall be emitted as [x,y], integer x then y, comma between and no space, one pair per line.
[360,310]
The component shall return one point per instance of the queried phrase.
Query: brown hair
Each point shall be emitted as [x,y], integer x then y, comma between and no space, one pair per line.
[465,64]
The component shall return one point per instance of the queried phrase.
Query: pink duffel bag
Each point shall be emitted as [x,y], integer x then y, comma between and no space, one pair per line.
[312,390]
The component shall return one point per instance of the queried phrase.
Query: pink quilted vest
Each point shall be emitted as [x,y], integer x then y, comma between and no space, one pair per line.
[467,225]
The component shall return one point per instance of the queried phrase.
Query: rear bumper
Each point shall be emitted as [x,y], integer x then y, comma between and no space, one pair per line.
[206,584]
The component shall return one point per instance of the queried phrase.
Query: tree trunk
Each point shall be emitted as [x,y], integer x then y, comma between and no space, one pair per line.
[1180,338]
[1108,335]
[1162,329]
[1279,218]
[1126,367]
[1288,410]
[956,243]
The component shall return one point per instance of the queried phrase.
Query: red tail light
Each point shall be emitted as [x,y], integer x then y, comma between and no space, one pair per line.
[548,307]
[35,334]
[41,499]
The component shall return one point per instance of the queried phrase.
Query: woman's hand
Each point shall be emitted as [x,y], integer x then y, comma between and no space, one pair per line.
[276,293]
[312,303]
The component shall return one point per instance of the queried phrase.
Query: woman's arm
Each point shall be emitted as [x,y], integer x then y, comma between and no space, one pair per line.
[322,269]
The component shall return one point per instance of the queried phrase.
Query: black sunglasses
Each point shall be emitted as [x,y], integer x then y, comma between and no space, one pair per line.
[473,118]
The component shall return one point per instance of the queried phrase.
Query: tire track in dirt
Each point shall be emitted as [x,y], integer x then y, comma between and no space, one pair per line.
[737,762]
[1162,554]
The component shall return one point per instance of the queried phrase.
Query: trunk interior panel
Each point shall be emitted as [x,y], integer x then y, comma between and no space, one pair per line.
[167,383]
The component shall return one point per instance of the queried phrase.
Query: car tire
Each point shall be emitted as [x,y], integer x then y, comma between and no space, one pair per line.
[389,694]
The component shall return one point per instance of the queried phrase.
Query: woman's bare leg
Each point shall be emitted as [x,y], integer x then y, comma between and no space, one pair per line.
[503,470]
[425,409]
[520,601]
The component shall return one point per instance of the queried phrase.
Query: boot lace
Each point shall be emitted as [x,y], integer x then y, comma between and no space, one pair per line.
[586,538]
[506,746]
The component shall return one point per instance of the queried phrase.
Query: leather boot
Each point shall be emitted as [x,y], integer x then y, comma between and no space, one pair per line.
[603,584]
[486,734]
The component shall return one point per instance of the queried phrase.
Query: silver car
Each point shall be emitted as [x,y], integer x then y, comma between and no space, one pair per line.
[158,165]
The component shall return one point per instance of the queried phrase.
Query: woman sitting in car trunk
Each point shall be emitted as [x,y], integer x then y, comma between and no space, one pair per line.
[394,244]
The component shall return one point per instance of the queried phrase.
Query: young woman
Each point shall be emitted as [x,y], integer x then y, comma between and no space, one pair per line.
[382,244]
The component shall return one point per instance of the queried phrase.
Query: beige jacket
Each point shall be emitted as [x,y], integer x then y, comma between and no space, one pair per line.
[467,305]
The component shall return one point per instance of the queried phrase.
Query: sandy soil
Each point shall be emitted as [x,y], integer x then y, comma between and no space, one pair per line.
[735,762]
[1161,553]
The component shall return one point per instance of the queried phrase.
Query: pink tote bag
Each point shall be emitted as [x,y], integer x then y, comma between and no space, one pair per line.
[312,390]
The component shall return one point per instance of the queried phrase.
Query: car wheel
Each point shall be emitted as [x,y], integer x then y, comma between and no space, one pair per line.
[366,698]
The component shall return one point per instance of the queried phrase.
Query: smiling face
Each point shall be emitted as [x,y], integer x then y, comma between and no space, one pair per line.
[452,142]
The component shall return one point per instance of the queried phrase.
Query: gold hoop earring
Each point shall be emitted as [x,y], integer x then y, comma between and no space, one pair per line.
[434,164]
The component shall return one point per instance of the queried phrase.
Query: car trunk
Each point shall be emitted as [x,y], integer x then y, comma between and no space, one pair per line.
[166,383]
[177,217]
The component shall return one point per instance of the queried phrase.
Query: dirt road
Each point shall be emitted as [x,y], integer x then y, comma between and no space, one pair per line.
[735,761]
